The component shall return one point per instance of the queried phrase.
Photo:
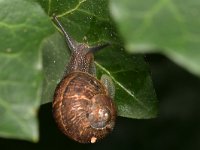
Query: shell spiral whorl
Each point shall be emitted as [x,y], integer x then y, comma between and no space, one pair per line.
[83,109]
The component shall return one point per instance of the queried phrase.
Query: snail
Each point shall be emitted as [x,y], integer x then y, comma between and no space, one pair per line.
[83,106]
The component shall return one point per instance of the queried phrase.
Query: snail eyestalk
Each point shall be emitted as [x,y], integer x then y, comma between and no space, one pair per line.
[71,43]
[97,48]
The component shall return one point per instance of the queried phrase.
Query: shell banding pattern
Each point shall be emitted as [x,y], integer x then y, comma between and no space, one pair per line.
[83,109]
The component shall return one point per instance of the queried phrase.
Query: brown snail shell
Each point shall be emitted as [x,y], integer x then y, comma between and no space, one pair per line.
[83,109]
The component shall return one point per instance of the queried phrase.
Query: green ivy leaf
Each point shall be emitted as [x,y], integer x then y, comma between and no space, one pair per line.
[89,21]
[29,44]
[164,26]
[23,26]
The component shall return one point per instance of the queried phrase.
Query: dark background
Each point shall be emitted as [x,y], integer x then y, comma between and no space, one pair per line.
[176,127]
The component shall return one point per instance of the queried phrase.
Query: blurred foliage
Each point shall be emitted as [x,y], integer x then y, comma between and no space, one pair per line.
[23,26]
[164,26]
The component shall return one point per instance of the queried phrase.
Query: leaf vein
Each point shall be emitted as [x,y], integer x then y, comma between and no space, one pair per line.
[49,7]
[72,10]
[124,88]
[147,21]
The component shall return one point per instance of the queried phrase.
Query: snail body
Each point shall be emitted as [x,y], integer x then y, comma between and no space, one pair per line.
[83,106]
